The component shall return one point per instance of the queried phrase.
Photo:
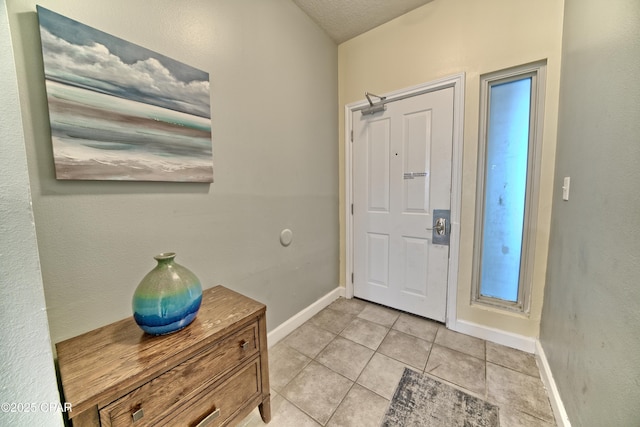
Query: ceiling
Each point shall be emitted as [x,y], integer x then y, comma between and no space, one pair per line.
[345,19]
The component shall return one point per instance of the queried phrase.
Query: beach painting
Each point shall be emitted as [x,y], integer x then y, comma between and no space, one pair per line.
[119,111]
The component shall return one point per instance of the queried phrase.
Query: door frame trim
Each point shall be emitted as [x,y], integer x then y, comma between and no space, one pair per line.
[455,81]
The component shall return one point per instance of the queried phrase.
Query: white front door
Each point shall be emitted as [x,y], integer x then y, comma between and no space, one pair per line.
[401,174]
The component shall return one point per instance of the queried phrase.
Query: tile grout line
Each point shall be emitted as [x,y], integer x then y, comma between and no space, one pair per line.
[424,371]
[486,382]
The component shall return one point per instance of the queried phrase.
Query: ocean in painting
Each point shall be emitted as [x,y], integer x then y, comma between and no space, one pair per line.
[122,112]
[99,136]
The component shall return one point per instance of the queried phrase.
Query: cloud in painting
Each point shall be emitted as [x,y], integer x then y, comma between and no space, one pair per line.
[81,56]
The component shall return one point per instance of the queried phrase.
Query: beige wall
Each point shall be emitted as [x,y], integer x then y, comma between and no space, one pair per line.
[446,37]
[273,98]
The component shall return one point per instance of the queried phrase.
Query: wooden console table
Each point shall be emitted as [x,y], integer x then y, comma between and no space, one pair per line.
[212,373]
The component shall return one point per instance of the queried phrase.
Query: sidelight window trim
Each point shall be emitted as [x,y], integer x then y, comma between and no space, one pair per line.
[537,72]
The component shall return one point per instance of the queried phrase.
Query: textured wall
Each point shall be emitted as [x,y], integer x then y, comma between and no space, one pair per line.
[591,322]
[447,37]
[26,361]
[273,97]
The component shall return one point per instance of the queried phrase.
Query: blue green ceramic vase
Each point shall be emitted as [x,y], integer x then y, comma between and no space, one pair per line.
[168,297]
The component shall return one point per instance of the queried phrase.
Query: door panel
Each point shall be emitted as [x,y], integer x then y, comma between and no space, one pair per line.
[417,135]
[415,268]
[378,253]
[378,152]
[401,173]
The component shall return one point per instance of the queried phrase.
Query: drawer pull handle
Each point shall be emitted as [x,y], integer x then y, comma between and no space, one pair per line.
[137,415]
[244,344]
[209,418]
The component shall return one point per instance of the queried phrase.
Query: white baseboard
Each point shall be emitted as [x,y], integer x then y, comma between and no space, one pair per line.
[298,319]
[497,336]
[562,419]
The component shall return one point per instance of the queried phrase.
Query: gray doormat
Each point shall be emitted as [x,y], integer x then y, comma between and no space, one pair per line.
[422,401]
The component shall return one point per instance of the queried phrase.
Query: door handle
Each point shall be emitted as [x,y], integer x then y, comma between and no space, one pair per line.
[440,226]
[441,231]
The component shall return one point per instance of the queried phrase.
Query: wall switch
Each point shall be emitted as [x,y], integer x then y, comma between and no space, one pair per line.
[565,188]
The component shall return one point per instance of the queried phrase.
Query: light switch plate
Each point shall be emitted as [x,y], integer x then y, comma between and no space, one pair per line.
[565,188]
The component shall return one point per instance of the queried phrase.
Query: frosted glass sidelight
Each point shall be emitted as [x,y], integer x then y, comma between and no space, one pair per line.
[505,188]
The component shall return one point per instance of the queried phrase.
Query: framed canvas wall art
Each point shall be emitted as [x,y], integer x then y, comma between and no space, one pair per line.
[119,111]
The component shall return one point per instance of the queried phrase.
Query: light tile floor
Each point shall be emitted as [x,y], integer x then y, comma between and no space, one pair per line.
[342,367]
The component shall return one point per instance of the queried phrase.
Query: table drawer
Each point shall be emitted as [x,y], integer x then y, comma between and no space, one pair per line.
[148,404]
[216,405]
